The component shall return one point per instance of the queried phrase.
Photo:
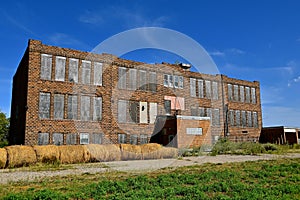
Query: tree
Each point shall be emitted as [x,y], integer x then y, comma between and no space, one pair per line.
[4,129]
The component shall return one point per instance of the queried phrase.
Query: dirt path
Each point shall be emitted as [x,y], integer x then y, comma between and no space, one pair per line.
[7,176]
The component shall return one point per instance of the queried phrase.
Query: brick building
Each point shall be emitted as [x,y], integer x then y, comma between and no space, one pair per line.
[64,96]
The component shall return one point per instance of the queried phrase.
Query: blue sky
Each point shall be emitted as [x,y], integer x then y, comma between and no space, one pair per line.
[252,40]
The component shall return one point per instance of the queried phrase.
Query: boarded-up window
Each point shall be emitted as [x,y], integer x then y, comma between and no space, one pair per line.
[84,138]
[96,138]
[132,79]
[97,111]
[97,73]
[253,96]
[231,117]
[44,105]
[142,80]
[215,94]
[152,80]
[153,112]
[133,112]
[73,70]
[122,138]
[72,106]
[194,111]
[244,121]
[143,112]
[86,72]
[71,138]
[255,119]
[230,96]
[249,118]
[236,92]
[133,139]
[167,104]
[122,78]
[201,111]
[143,139]
[46,66]
[181,82]
[242,94]
[237,118]
[216,117]
[43,138]
[200,89]
[58,138]
[122,110]
[58,106]
[247,94]
[60,67]
[193,87]
[208,89]
[85,108]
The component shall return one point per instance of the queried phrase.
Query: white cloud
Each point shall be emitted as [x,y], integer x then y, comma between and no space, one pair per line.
[91,18]
[236,51]
[217,53]
[227,52]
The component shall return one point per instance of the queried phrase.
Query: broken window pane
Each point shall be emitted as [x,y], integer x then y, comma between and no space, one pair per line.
[71,139]
[249,118]
[237,118]
[143,80]
[97,73]
[247,94]
[122,138]
[143,139]
[253,96]
[84,138]
[60,66]
[122,110]
[201,111]
[72,107]
[86,72]
[200,89]
[58,139]
[166,80]
[255,120]
[181,82]
[193,87]
[122,78]
[43,138]
[97,112]
[242,94]
[231,117]
[230,96]
[167,104]
[73,70]
[133,139]
[85,108]
[143,112]
[244,122]
[58,106]
[132,79]
[170,80]
[215,90]
[46,66]
[236,92]
[176,81]
[208,113]
[152,85]
[208,89]
[133,112]
[44,105]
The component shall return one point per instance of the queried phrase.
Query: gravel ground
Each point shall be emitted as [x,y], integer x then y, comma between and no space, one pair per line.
[8,176]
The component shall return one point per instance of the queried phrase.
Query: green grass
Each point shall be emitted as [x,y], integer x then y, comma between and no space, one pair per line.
[278,179]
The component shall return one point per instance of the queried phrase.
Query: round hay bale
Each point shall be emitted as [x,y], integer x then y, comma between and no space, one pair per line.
[69,154]
[151,151]
[47,153]
[169,152]
[130,152]
[20,155]
[3,158]
[103,153]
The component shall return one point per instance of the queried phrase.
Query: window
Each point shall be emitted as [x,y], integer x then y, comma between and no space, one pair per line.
[86,72]
[176,81]
[143,139]
[180,82]
[143,112]
[122,78]
[152,78]
[193,87]
[242,94]
[215,94]
[122,111]
[244,122]
[231,117]
[73,70]
[72,107]
[58,139]
[216,117]
[60,66]
[97,112]
[122,138]
[96,138]
[133,139]
[236,92]
[208,113]
[43,138]
[167,104]
[208,89]
[71,139]
[253,96]
[166,80]
[58,106]
[46,66]
[85,108]
[230,96]
[133,112]
[237,118]
[194,111]
[201,111]
[200,89]
[132,79]
[255,120]
[173,81]
[249,118]
[143,80]
[153,112]
[170,80]
[97,73]
[44,105]
[84,138]
[194,131]
[247,94]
